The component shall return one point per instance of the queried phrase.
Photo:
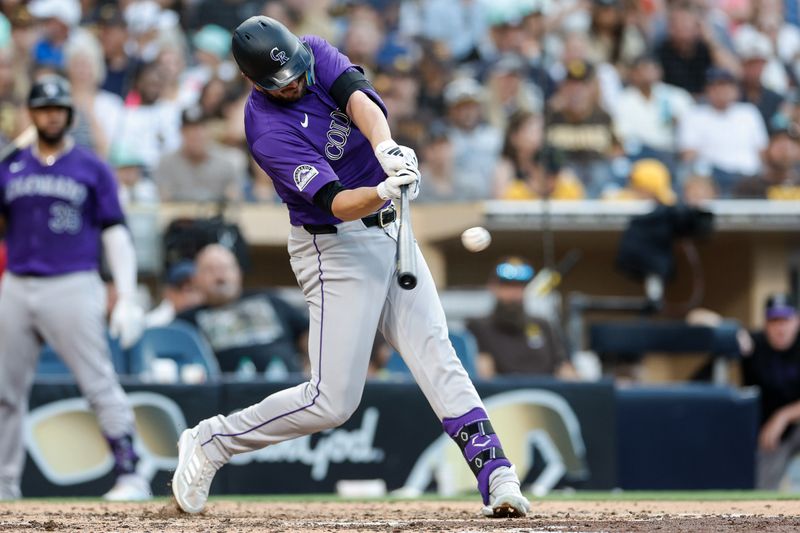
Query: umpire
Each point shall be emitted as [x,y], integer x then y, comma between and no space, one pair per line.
[58,202]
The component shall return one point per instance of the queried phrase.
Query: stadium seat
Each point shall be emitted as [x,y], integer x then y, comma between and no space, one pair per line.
[50,364]
[464,344]
[179,341]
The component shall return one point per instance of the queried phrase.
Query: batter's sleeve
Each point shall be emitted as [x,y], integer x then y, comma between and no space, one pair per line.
[330,66]
[108,209]
[293,165]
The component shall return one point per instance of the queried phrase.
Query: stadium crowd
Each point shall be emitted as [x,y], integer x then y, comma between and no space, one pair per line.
[669,100]
[508,99]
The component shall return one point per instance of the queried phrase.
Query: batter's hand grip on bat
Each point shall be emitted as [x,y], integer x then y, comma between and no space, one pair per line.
[406,249]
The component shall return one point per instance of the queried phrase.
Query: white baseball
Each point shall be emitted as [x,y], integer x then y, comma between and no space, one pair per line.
[476,239]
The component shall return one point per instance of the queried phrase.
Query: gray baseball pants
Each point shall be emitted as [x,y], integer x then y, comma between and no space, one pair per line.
[349,283]
[68,313]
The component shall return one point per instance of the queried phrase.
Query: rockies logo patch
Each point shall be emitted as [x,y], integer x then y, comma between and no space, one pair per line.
[303,175]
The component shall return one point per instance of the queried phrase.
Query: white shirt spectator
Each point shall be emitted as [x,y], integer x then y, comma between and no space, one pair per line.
[151,131]
[730,140]
[641,121]
[475,152]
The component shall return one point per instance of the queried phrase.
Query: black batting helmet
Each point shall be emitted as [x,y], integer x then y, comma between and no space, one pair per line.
[50,91]
[269,54]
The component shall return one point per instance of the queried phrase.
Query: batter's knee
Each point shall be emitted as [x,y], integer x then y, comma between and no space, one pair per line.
[336,410]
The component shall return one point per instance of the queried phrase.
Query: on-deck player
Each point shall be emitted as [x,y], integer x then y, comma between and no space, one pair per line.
[58,201]
[318,128]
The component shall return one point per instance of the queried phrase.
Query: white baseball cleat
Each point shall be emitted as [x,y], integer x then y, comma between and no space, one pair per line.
[192,478]
[129,488]
[505,498]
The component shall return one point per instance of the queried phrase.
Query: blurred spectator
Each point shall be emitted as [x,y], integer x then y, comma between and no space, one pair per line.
[517,162]
[698,189]
[12,99]
[178,294]
[150,126]
[459,26]
[312,17]
[611,38]
[200,170]
[476,144]
[434,74]
[399,86]
[212,45]
[171,63]
[755,52]
[772,363]
[134,186]
[437,164]
[23,39]
[690,49]
[510,91]
[648,112]
[767,20]
[97,112]
[363,38]
[649,180]
[579,128]
[113,34]
[510,341]
[225,13]
[59,21]
[606,78]
[257,326]
[151,28]
[725,134]
[781,175]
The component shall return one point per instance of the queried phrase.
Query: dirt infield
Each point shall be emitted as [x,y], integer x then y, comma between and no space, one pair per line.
[397,516]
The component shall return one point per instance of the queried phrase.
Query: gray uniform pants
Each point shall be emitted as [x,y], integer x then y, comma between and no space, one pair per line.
[349,283]
[771,466]
[67,312]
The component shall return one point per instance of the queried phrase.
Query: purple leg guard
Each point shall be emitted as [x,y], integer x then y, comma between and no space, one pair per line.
[125,458]
[480,445]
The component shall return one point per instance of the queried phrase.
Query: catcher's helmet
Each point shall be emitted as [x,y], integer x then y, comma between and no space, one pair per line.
[50,91]
[269,54]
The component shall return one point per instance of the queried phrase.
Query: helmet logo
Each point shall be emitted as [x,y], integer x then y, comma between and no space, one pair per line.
[278,55]
[50,89]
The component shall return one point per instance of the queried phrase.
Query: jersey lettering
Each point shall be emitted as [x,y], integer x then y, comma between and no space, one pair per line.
[337,135]
[61,187]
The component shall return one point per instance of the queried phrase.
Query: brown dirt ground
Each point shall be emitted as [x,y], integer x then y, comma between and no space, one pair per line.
[400,516]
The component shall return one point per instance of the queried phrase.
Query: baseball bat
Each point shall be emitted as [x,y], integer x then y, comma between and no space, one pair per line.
[19,142]
[406,249]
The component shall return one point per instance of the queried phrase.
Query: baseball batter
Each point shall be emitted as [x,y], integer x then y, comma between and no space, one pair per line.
[58,202]
[319,130]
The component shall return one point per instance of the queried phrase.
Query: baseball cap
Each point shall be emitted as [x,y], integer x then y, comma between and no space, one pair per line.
[719,75]
[779,306]
[193,115]
[513,269]
[652,176]
[753,45]
[579,70]
[462,90]
[214,40]
[67,11]
[180,273]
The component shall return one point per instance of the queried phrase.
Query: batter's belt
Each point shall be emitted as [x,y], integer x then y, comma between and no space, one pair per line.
[382,218]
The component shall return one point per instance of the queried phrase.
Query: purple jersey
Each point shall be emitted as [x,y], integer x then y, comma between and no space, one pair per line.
[306,144]
[54,214]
